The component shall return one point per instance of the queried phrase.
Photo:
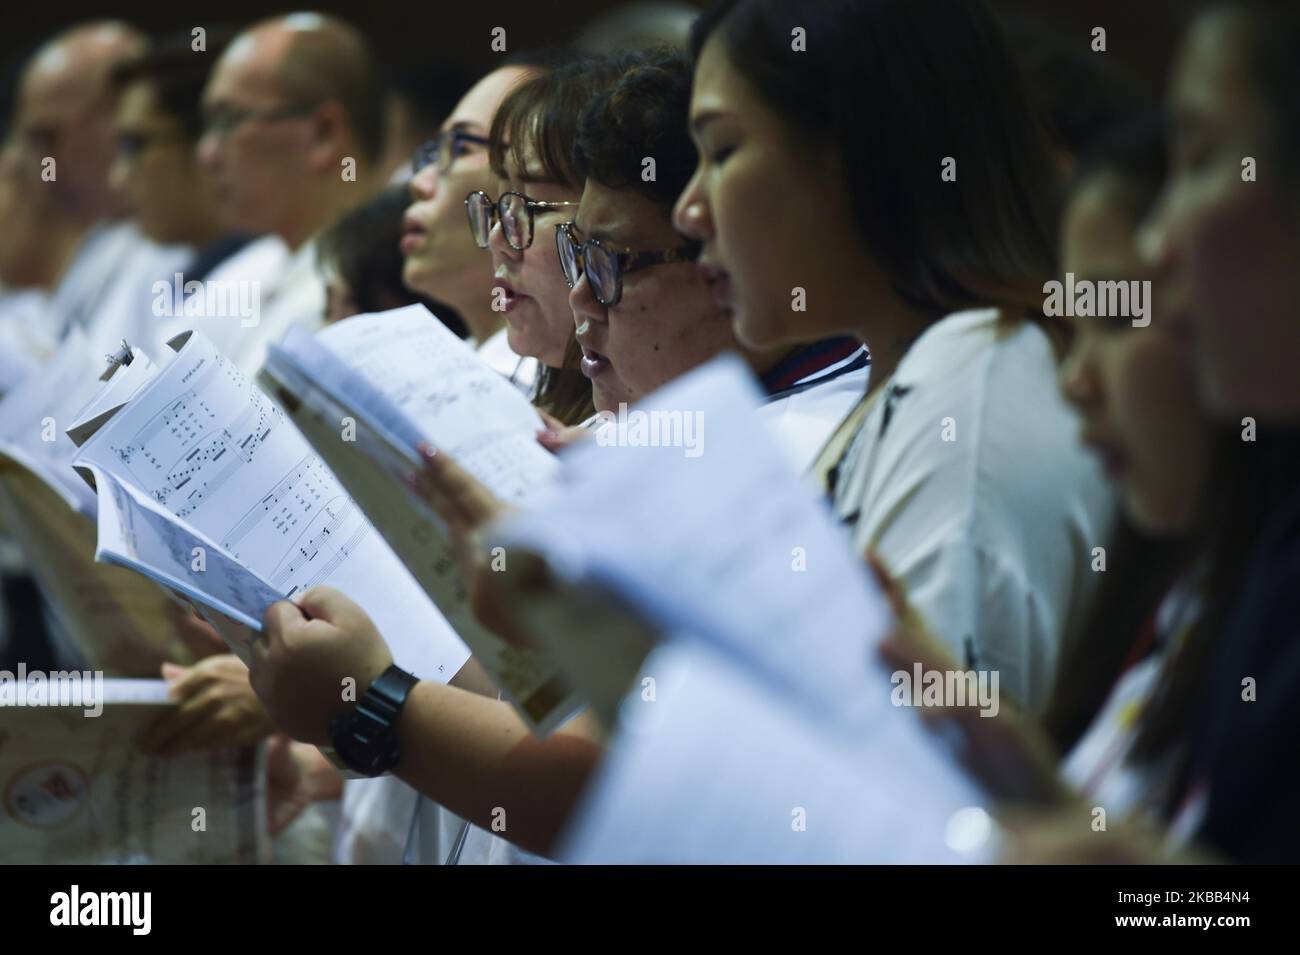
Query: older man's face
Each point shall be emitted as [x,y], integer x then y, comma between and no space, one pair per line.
[255,143]
[64,133]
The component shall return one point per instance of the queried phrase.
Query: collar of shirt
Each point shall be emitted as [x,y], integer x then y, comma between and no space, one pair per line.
[815,364]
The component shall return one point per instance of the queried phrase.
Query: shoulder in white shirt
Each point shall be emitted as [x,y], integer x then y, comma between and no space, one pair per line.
[294,296]
[804,417]
[967,477]
[218,309]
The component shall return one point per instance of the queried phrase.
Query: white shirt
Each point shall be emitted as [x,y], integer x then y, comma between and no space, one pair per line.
[25,341]
[968,479]
[803,417]
[247,276]
[296,296]
[124,312]
[98,262]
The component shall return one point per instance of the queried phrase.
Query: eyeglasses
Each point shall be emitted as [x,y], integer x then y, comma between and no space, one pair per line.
[605,268]
[516,212]
[131,144]
[224,120]
[444,148]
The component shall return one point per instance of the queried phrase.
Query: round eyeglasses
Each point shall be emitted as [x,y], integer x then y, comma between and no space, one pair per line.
[604,267]
[514,210]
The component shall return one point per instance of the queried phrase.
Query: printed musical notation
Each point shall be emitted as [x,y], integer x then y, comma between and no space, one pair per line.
[215,452]
[188,454]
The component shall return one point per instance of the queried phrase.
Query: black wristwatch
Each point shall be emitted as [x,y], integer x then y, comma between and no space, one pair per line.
[365,739]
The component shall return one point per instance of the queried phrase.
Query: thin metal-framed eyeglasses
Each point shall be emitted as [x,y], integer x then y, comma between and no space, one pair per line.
[444,148]
[224,120]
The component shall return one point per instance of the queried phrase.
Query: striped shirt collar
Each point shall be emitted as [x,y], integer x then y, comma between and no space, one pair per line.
[815,364]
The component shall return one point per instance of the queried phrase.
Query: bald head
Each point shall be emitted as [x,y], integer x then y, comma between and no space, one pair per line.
[291,104]
[308,58]
[65,113]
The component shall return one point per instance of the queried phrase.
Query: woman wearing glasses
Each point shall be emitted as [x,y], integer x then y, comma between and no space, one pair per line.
[530,152]
[441,260]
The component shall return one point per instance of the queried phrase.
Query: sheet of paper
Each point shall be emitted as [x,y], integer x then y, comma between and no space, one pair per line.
[714,768]
[415,381]
[704,526]
[121,383]
[211,449]
[35,414]
[77,789]
[138,534]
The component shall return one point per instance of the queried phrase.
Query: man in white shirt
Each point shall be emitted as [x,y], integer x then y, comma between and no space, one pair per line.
[64,144]
[293,131]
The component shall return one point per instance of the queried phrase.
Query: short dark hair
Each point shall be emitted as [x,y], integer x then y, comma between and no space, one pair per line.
[542,112]
[642,114]
[896,86]
[362,245]
[177,73]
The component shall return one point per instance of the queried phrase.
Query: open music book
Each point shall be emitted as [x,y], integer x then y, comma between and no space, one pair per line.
[214,493]
[365,392]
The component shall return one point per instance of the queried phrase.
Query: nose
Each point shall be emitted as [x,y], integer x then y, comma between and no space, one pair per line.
[691,213]
[584,305]
[501,249]
[424,183]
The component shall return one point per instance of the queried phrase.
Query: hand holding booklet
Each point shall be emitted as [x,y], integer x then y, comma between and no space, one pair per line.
[211,491]
[769,688]
[365,392]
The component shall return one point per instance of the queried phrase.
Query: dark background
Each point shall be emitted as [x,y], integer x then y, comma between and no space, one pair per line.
[411,34]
